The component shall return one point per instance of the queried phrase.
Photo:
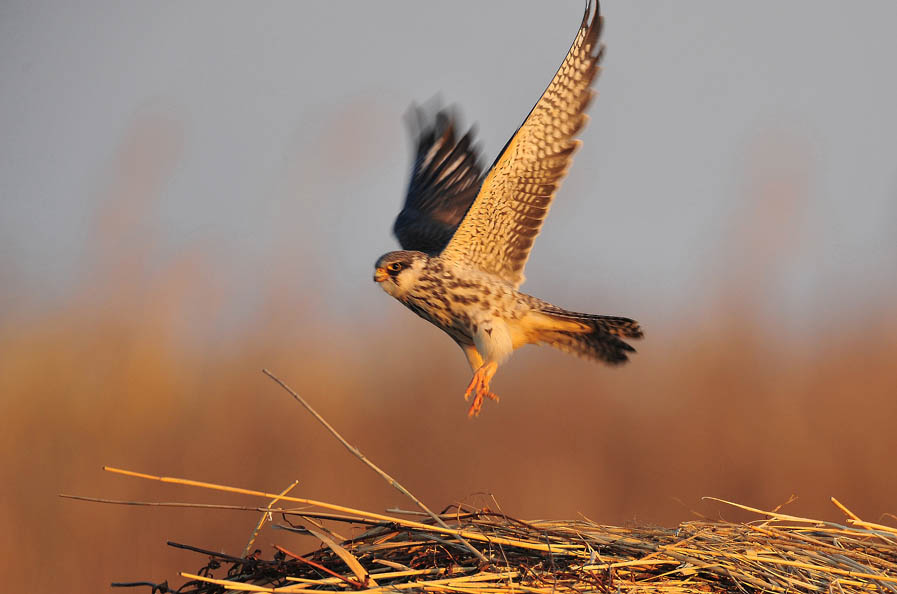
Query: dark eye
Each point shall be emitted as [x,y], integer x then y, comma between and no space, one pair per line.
[394,266]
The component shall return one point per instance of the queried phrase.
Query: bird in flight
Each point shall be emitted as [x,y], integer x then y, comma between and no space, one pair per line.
[466,236]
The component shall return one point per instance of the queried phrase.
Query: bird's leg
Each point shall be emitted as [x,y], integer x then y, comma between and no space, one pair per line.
[479,387]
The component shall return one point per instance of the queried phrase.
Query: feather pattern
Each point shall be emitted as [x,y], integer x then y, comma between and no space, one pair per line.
[501,225]
[445,179]
[598,337]
[467,238]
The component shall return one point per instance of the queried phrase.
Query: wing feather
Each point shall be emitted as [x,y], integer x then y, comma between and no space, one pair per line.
[499,229]
[445,178]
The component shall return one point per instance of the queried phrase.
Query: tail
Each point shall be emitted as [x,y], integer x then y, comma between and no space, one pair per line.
[595,337]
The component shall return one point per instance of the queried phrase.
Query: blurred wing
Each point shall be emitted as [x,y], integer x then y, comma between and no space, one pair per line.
[445,179]
[498,232]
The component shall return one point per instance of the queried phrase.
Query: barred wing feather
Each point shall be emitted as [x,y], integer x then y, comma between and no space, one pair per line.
[498,231]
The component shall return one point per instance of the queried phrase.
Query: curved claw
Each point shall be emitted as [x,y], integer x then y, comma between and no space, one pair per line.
[474,410]
[479,388]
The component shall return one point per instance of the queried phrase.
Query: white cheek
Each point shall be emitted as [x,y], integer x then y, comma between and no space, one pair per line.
[401,285]
[406,281]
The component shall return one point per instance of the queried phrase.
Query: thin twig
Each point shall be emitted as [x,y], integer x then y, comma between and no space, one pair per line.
[266,510]
[357,453]
[217,555]
[163,587]
[265,515]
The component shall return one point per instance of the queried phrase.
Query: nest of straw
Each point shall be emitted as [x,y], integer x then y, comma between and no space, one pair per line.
[484,552]
[480,551]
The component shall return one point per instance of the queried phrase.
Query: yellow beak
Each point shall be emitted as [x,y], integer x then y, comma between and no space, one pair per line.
[380,275]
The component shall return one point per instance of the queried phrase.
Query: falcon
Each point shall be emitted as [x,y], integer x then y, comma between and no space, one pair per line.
[466,236]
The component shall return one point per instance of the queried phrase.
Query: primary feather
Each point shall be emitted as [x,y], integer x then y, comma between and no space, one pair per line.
[445,179]
[498,231]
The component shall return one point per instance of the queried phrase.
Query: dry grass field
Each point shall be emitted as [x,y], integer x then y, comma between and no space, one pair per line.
[720,403]
[137,366]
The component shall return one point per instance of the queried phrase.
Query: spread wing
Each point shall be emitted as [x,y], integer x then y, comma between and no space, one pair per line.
[498,232]
[445,179]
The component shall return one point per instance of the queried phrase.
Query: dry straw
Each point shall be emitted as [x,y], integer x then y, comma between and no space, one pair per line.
[479,551]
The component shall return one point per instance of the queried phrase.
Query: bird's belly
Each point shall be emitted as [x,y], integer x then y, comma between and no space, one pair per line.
[493,340]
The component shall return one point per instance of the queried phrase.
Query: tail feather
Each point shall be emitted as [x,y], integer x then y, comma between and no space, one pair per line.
[597,337]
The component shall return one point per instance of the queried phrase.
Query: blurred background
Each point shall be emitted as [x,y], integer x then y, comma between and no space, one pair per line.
[190,192]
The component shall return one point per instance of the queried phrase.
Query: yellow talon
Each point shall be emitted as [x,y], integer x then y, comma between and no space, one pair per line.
[479,387]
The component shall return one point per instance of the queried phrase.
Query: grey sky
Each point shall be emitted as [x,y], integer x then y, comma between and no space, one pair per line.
[283,124]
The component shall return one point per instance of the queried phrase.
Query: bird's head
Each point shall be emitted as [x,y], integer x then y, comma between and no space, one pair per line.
[397,272]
